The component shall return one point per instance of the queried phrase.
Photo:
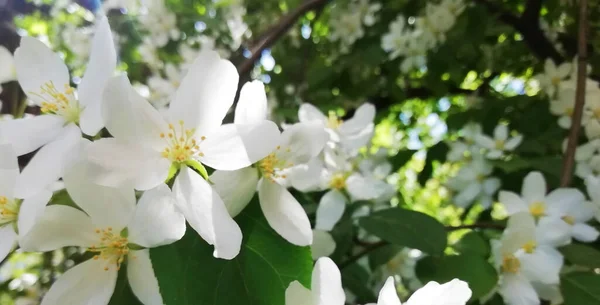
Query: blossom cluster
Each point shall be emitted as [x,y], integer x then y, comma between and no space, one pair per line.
[411,38]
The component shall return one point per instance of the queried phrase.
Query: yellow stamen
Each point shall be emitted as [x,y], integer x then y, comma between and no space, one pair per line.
[569,219]
[181,144]
[510,264]
[529,247]
[338,181]
[113,248]
[537,209]
[333,122]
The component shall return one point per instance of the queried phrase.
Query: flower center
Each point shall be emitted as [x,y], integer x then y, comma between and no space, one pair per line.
[112,247]
[63,103]
[181,144]
[556,80]
[568,219]
[596,112]
[274,162]
[333,122]
[510,264]
[537,209]
[499,144]
[338,181]
[9,209]
[529,247]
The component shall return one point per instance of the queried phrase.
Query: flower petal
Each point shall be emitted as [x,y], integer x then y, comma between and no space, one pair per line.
[363,117]
[323,244]
[543,265]
[485,141]
[8,239]
[50,162]
[501,132]
[363,188]
[29,134]
[31,210]
[560,201]
[7,72]
[206,213]
[107,206]
[553,231]
[37,66]
[330,210]
[455,292]
[388,294]
[234,146]
[327,283]
[534,188]
[116,164]
[206,92]
[310,113]
[517,289]
[513,142]
[252,104]
[584,232]
[296,294]
[236,188]
[156,220]
[284,213]
[142,279]
[305,141]
[101,66]
[512,202]
[58,227]
[86,283]
[9,170]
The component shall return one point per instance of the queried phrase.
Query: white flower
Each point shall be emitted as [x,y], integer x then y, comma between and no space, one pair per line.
[296,145]
[396,40]
[44,77]
[565,206]
[112,226]
[591,110]
[350,134]
[455,292]
[323,244]
[500,143]
[553,76]
[160,22]
[593,189]
[526,254]
[587,157]
[326,287]
[474,184]
[346,27]
[7,66]
[16,215]
[367,10]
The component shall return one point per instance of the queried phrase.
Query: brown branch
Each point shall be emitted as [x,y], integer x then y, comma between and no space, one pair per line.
[277,31]
[569,159]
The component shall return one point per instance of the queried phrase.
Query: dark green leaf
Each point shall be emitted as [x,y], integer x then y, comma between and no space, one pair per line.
[123,294]
[580,288]
[473,243]
[188,274]
[383,255]
[407,228]
[582,255]
[435,153]
[401,158]
[354,278]
[471,268]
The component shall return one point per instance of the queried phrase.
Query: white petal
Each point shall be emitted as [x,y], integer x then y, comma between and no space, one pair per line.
[468,195]
[284,213]
[296,294]
[234,146]
[50,162]
[236,188]
[455,292]
[534,187]
[512,202]
[302,177]
[363,117]
[206,213]
[129,117]
[7,71]
[58,227]
[156,220]
[593,188]
[551,293]
[517,290]
[29,134]
[9,170]
[8,239]
[305,141]
[142,279]
[388,294]
[107,206]
[485,141]
[206,93]
[310,113]
[560,201]
[31,209]
[362,188]
[584,233]
[513,142]
[327,283]
[356,141]
[116,164]
[323,244]
[519,231]
[553,231]
[543,265]
[252,104]
[37,65]
[330,210]
[87,283]
[101,66]
[501,132]
[494,154]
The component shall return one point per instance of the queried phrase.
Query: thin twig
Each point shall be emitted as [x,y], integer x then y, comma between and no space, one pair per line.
[569,159]
[277,31]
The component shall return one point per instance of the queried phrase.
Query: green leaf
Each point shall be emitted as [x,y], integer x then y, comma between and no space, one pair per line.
[471,268]
[188,274]
[436,152]
[383,255]
[581,255]
[473,243]
[123,294]
[401,158]
[407,228]
[354,278]
[580,288]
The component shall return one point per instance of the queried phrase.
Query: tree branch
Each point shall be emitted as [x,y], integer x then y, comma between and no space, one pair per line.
[569,159]
[277,31]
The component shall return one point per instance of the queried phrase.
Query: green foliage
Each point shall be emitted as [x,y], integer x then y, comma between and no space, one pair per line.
[188,274]
[407,228]
[473,243]
[581,288]
[581,255]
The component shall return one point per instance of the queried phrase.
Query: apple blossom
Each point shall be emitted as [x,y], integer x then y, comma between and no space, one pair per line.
[500,143]
[326,287]
[7,66]
[455,292]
